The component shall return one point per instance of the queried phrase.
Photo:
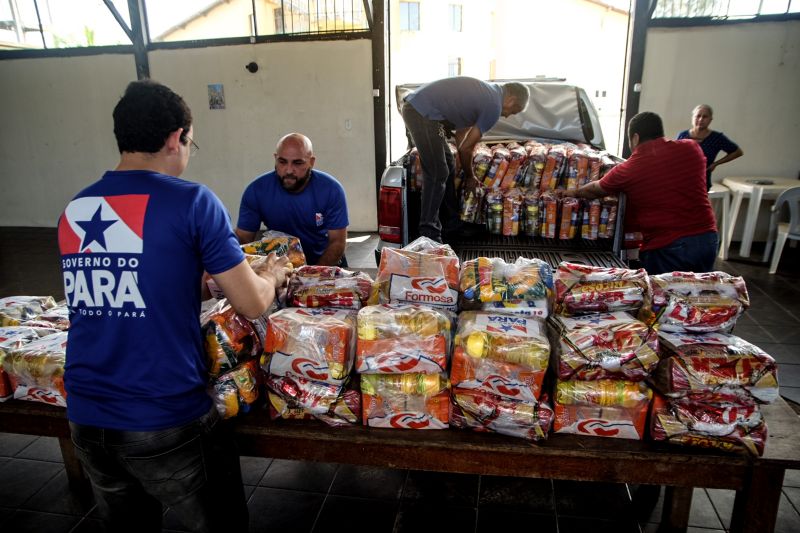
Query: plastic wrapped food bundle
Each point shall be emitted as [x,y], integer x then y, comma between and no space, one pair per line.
[612,345]
[501,158]
[530,208]
[512,208]
[56,317]
[303,399]
[608,217]
[410,401]
[36,370]
[316,344]
[556,157]
[482,411]
[522,287]
[537,158]
[517,157]
[501,354]
[494,211]
[481,161]
[414,170]
[423,272]
[583,289]
[328,286]
[570,210]
[230,338]
[16,309]
[590,226]
[254,261]
[603,408]
[729,423]
[697,363]
[472,204]
[698,302]
[13,338]
[548,213]
[398,338]
[281,244]
[236,390]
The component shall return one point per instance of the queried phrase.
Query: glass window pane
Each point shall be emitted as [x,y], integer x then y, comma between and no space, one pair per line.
[19,26]
[82,23]
[774,7]
[414,16]
[404,16]
[187,20]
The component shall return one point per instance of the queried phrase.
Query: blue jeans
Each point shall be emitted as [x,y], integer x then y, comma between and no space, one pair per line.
[687,254]
[438,173]
[194,469]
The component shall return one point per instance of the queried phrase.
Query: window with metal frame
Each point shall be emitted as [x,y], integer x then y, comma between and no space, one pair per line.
[454,67]
[43,24]
[721,10]
[409,16]
[455,17]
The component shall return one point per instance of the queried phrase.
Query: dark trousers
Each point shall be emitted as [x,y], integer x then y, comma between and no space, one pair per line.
[194,469]
[687,254]
[438,169]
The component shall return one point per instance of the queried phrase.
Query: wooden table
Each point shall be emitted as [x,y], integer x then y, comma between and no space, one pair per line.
[757,189]
[758,481]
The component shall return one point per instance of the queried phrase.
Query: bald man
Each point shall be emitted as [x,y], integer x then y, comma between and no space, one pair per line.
[298,200]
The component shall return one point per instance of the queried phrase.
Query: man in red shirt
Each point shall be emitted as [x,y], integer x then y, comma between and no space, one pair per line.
[665,185]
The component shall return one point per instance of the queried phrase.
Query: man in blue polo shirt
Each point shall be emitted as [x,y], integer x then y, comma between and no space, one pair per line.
[298,200]
[466,106]
[135,246]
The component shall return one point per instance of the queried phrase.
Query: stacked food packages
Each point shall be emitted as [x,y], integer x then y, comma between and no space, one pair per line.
[414,168]
[55,318]
[603,408]
[35,370]
[582,289]
[255,261]
[522,287]
[499,364]
[402,355]
[601,353]
[279,243]
[711,385]
[232,343]
[698,302]
[296,398]
[424,272]
[329,287]
[13,338]
[517,193]
[14,310]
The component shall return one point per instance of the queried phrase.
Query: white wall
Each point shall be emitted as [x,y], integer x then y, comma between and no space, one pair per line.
[57,135]
[749,74]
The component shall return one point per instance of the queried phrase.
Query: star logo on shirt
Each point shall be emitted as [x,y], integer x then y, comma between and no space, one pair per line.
[95,228]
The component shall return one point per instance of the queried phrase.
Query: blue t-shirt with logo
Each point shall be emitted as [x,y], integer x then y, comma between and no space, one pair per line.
[133,249]
[461,101]
[308,215]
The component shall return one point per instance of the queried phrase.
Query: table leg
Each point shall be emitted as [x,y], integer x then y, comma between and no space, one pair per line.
[755,509]
[75,474]
[677,505]
[750,222]
[737,201]
[723,231]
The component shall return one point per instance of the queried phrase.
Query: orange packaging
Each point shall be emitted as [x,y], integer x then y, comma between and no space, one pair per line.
[518,156]
[508,380]
[550,205]
[617,422]
[427,355]
[419,412]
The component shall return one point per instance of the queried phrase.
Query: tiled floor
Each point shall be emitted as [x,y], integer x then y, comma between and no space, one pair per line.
[289,496]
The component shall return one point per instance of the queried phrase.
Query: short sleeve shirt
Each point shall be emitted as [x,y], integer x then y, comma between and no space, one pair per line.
[664,181]
[308,215]
[134,246]
[461,101]
[712,145]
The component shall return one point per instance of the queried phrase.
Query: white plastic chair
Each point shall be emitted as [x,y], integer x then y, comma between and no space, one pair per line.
[719,191]
[790,230]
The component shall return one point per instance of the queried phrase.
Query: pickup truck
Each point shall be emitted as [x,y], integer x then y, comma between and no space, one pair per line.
[556,112]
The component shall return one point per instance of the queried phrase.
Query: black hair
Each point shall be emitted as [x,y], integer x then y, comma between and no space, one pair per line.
[145,116]
[648,125]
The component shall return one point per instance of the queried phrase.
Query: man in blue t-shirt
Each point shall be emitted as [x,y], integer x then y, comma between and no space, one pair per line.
[135,247]
[469,108]
[298,200]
